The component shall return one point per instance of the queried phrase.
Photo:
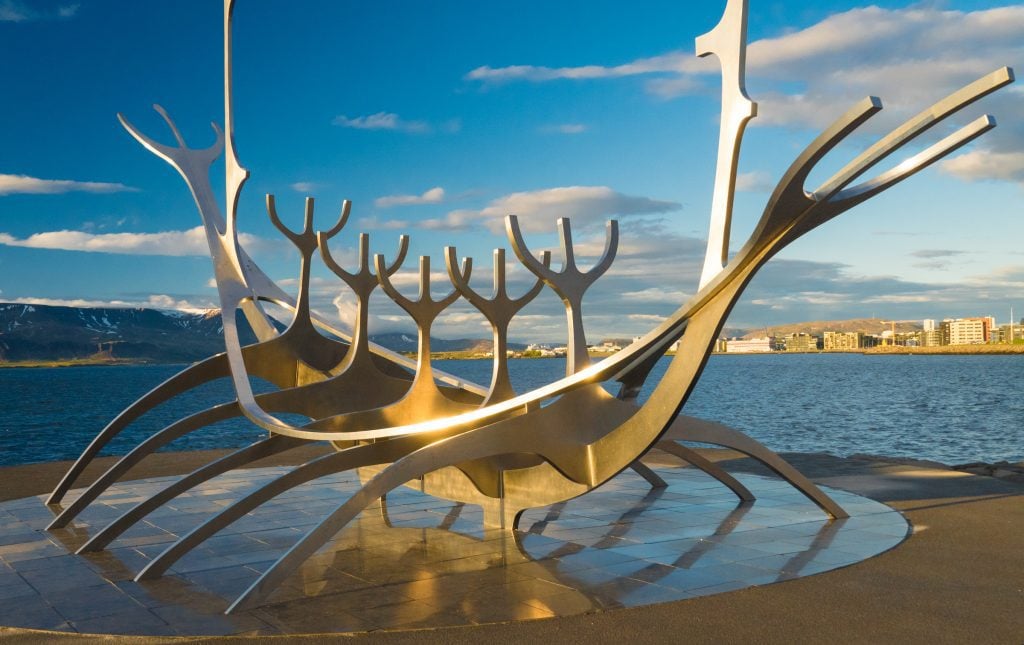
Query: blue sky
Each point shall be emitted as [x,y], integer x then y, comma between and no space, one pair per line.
[437,119]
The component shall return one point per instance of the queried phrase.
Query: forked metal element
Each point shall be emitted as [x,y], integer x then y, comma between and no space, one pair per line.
[362,283]
[569,282]
[499,310]
[507,452]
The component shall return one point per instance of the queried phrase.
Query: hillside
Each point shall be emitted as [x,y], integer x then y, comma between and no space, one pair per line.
[47,333]
[818,327]
[43,333]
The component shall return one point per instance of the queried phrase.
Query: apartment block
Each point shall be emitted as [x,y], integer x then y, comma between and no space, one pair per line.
[837,341]
[801,343]
[966,331]
[749,346]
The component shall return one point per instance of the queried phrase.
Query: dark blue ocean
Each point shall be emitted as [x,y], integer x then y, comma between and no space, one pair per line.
[952,409]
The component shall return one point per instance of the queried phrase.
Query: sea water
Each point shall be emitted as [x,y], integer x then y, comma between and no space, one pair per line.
[952,409]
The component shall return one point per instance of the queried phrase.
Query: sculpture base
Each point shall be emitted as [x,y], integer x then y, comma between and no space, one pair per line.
[417,561]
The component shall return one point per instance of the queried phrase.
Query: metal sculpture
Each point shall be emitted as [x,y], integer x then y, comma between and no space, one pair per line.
[458,440]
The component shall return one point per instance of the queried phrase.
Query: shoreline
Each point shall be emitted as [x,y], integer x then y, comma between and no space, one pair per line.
[945,350]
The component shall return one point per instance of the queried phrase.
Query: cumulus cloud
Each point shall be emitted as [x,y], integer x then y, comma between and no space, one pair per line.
[381,121]
[539,209]
[25,185]
[986,164]
[433,196]
[174,243]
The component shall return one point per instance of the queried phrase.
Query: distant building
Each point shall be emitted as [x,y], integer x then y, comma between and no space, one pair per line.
[838,341]
[802,343]
[966,331]
[748,346]
[931,337]
[928,325]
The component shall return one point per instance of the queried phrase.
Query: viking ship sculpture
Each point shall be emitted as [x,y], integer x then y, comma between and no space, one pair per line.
[397,421]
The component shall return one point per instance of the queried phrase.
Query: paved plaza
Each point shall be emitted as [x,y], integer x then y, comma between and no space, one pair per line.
[416,561]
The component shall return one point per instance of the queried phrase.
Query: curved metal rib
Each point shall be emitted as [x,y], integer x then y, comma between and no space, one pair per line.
[700,461]
[691,429]
[253,452]
[344,460]
[147,447]
[425,460]
[202,372]
[913,128]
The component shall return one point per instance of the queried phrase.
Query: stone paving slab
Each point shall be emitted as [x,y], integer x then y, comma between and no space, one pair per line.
[415,561]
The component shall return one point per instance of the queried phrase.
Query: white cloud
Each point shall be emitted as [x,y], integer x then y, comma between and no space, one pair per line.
[375,224]
[433,196]
[174,243]
[565,128]
[303,186]
[381,121]
[155,301]
[679,62]
[23,184]
[757,181]
[539,209]
[986,164]
[657,294]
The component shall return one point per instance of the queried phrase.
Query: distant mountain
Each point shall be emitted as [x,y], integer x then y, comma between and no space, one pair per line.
[42,332]
[819,327]
[47,333]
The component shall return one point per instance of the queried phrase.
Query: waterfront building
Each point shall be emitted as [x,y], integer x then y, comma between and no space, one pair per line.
[966,331]
[838,341]
[749,346]
[802,343]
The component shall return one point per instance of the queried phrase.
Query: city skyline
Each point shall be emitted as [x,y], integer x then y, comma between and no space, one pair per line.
[437,121]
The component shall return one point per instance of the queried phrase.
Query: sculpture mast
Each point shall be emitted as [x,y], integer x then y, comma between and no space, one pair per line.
[235,174]
[728,42]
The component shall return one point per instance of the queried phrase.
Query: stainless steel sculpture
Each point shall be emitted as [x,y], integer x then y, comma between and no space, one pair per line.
[458,440]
